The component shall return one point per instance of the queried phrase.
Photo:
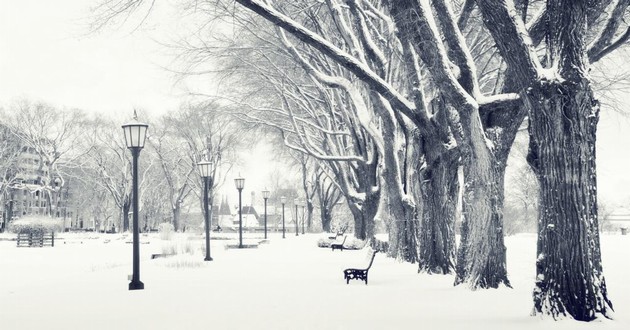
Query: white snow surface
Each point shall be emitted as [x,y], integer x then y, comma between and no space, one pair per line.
[81,283]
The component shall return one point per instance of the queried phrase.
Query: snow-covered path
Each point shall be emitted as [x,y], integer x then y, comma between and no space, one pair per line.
[81,283]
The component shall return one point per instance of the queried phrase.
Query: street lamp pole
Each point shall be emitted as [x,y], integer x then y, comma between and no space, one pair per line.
[295,202]
[135,134]
[240,183]
[283,200]
[205,172]
[265,194]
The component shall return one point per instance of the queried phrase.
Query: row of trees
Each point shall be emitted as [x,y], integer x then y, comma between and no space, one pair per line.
[408,105]
[84,158]
[87,156]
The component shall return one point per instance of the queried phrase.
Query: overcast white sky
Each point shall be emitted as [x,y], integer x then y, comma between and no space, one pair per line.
[45,54]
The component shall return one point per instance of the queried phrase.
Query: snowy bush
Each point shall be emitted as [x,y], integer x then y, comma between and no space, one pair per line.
[177,246]
[166,231]
[183,262]
[36,224]
[351,243]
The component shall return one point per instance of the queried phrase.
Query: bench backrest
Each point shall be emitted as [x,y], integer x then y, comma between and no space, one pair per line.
[370,255]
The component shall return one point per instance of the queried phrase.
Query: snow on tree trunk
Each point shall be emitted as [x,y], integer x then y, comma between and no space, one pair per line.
[481,258]
[569,278]
[403,235]
[403,241]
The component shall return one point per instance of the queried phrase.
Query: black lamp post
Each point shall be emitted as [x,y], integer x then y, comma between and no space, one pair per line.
[240,183]
[135,134]
[283,200]
[205,172]
[265,194]
[295,202]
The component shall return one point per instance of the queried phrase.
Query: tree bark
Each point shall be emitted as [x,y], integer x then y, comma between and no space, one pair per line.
[436,182]
[481,258]
[176,216]
[403,236]
[439,187]
[563,120]
[363,214]
[309,215]
[125,214]
[326,217]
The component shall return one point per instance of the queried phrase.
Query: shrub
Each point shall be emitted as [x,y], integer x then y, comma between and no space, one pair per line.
[177,246]
[34,224]
[351,243]
[166,231]
[179,262]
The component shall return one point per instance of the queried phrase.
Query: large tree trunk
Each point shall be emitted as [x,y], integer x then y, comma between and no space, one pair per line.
[176,217]
[439,188]
[125,214]
[481,259]
[363,214]
[309,216]
[327,198]
[563,120]
[403,235]
[326,217]
[438,185]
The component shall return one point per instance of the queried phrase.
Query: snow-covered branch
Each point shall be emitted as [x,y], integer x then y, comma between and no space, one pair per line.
[345,59]
[512,39]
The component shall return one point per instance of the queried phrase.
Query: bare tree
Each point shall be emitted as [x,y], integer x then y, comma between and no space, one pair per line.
[53,135]
[9,155]
[204,132]
[110,161]
[177,169]
[328,195]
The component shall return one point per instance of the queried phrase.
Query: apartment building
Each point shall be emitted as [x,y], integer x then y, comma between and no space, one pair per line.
[28,192]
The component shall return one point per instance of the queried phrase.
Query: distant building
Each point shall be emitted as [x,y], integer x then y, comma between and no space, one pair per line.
[250,217]
[224,214]
[29,191]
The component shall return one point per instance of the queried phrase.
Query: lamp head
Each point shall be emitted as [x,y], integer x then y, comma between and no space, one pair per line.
[239,182]
[135,134]
[205,168]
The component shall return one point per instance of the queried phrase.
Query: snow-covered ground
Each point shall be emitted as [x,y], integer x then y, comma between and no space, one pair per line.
[81,283]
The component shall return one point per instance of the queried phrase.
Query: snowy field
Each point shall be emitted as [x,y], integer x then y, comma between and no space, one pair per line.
[81,283]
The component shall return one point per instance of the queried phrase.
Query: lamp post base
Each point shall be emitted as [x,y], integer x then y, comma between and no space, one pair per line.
[136,285]
[208,259]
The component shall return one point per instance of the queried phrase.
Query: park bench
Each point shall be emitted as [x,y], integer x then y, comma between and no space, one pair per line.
[340,232]
[36,239]
[48,239]
[360,273]
[339,246]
